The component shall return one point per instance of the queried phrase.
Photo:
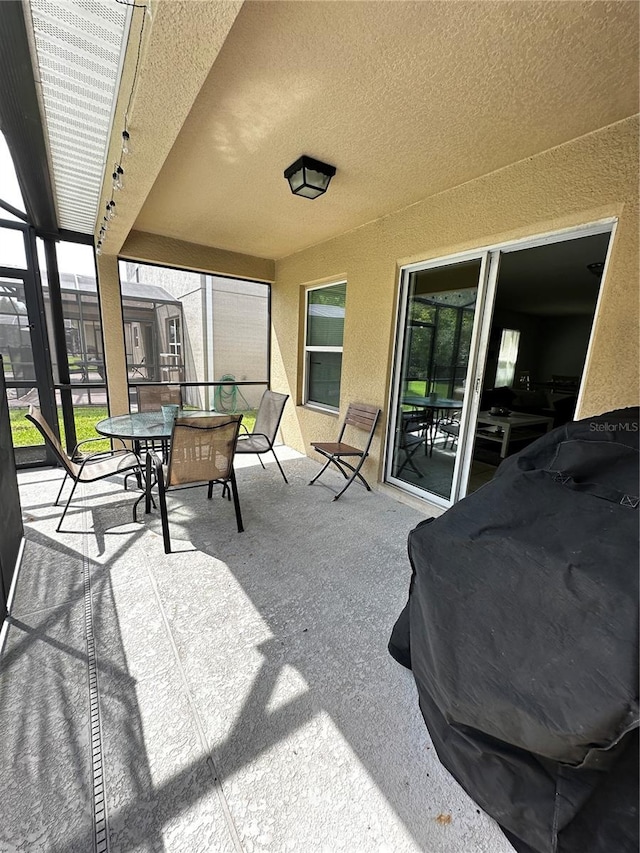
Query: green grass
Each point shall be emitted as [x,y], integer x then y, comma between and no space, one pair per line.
[86,417]
[418,387]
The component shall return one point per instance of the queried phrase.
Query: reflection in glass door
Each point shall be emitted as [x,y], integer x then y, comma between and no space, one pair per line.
[438,314]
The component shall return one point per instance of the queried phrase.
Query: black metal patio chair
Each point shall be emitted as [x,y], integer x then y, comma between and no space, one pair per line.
[265,430]
[360,417]
[200,454]
[87,469]
[415,431]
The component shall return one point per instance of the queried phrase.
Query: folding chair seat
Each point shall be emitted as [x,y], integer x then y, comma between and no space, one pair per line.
[360,417]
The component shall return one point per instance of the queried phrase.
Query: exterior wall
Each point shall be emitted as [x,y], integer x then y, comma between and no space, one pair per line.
[240,316]
[236,335]
[187,288]
[156,249]
[114,352]
[583,181]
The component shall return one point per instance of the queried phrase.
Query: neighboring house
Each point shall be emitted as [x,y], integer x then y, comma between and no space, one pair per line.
[177,326]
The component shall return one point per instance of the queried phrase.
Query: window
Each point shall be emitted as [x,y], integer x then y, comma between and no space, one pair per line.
[174,338]
[323,344]
[507,358]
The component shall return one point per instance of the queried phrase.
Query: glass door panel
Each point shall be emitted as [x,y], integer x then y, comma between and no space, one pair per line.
[434,347]
[15,333]
[20,367]
[12,250]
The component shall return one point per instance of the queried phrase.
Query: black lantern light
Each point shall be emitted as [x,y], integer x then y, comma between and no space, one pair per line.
[308,177]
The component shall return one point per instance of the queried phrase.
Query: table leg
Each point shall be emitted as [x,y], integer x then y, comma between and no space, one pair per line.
[147,499]
[505,441]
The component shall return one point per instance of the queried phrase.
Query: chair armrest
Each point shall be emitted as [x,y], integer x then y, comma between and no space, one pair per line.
[89,440]
[257,435]
[243,426]
[155,459]
[154,465]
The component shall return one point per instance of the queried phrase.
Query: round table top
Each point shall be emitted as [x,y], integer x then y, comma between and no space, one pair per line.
[429,403]
[143,425]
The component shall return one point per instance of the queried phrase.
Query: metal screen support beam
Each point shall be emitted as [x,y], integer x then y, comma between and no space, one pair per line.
[20,118]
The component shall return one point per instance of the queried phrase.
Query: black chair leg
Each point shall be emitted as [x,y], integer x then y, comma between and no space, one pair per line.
[278,464]
[146,494]
[163,516]
[236,501]
[321,471]
[64,480]
[66,507]
[356,473]
[148,498]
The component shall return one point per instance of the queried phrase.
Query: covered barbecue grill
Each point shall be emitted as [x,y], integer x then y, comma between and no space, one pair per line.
[521,630]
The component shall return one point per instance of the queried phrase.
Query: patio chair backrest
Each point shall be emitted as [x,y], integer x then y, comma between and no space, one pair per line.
[362,417]
[152,397]
[202,449]
[35,416]
[270,414]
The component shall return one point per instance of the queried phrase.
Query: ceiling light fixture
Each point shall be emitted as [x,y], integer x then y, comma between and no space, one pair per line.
[597,268]
[309,178]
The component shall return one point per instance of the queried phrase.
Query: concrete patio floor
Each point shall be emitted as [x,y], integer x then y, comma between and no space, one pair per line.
[236,695]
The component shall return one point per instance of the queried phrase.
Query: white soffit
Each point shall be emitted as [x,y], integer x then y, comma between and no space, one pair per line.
[79,50]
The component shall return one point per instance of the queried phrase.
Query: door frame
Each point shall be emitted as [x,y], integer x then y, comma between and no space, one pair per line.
[393,408]
[43,374]
[487,283]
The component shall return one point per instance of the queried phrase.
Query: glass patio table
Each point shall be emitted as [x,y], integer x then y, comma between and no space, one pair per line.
[144,426]
[440,407]
[443,403]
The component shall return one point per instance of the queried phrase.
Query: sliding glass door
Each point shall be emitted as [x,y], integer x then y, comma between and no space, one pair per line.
[439,310]
[490,349]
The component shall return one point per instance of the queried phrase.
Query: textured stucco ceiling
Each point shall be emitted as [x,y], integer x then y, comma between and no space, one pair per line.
[405,99]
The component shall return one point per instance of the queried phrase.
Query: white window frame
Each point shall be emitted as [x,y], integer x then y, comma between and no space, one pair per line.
[174,347]
[309,349]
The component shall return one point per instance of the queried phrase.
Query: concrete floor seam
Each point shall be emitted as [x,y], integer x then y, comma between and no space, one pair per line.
[99,797]
[217,779]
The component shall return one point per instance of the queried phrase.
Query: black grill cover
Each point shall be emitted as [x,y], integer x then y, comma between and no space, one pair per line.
[522,633]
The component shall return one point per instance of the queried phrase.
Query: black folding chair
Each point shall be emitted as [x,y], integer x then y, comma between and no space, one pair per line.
[360,417]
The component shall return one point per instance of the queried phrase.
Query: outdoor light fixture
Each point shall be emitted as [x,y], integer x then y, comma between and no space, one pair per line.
[597,268]
[308,177]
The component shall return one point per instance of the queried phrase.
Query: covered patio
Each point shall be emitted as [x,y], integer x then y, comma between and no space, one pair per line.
[237,694]
[239,700]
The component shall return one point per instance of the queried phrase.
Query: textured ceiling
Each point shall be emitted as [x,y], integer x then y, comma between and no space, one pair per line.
[405,99]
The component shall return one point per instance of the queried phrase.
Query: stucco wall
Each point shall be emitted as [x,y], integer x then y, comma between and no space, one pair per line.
[583,181]
[156,249]
[114,352]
